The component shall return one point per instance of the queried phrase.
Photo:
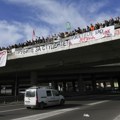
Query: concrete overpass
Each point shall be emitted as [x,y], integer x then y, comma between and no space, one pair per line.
[81,65]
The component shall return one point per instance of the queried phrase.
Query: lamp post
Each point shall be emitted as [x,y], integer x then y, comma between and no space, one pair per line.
[68,25]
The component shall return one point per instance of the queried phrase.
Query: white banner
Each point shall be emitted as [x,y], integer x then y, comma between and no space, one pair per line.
[93,35]
[45,48]
[3,58]
[67,43]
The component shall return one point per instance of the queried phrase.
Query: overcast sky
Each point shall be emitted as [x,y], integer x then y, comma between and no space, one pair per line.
[18,18]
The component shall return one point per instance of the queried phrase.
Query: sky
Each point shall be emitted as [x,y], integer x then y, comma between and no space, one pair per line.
[18,18]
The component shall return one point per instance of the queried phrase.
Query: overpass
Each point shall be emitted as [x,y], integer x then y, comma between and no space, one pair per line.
[84,63]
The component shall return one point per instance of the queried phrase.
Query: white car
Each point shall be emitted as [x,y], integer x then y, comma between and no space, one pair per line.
[42,96]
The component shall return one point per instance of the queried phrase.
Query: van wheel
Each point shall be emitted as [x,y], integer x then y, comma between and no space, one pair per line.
[62,102]
[42,105]
[28,107]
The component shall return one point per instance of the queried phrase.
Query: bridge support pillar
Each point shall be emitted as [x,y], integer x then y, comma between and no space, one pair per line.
[104,83]
[33,78]
[0,89]
[93,84]
[15,87]
[56,85]
[118,83]
[64,86]
[81,85]
[73,84]
[112,83]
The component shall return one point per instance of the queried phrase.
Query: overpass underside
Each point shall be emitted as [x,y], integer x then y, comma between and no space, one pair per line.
[85,80]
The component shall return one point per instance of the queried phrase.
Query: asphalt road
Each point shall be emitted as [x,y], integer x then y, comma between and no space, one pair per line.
[88,108]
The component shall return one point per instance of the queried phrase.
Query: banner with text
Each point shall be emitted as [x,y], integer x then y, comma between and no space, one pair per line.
[93,35]
[45,48]
[67,43]
[3,58]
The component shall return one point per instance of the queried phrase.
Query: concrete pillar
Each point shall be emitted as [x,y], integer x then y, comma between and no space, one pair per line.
[56,85]
[0,89]
[16,87]
[33,78]
[118,79]
[81,85]
[93,83]
[73,84]
[112,83]
[104,83]
[64,86]
[13,89]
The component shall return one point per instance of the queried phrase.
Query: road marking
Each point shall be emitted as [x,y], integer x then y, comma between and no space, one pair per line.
[56,112]
[12,110]
[99,102]
[117,118]
[86,115]
[46,115]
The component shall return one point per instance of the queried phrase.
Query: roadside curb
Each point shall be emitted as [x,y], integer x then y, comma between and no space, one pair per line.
[11,103]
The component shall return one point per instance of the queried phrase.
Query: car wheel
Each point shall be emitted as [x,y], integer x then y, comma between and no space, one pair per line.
[42,105]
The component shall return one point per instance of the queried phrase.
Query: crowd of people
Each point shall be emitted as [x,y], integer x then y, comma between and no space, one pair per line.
[61,35]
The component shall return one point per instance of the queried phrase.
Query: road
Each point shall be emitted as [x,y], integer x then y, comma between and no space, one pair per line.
[88,108]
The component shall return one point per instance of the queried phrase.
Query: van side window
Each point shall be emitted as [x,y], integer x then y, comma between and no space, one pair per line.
[55,93]
[49,93]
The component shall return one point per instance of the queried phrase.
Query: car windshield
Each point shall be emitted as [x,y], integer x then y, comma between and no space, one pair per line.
[30,93]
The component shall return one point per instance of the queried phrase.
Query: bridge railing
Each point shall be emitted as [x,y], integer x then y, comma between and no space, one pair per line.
[52,46]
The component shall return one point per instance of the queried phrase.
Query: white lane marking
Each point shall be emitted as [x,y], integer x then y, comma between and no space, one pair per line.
[53,113]
[117,118]
[46,115]
[11,110]
[95,103]
[86,115]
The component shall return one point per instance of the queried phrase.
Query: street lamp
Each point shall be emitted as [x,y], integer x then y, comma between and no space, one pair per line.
[68,25]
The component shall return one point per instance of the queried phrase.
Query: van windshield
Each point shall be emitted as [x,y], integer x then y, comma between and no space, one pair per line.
[30,94]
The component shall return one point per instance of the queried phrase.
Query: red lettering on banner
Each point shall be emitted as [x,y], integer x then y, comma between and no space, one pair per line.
[86,39]
[107,33]
[2,53]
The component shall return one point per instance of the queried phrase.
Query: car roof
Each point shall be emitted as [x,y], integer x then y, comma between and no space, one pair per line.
[40,87]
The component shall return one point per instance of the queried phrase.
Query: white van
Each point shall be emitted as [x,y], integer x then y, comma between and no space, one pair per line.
[42,96]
